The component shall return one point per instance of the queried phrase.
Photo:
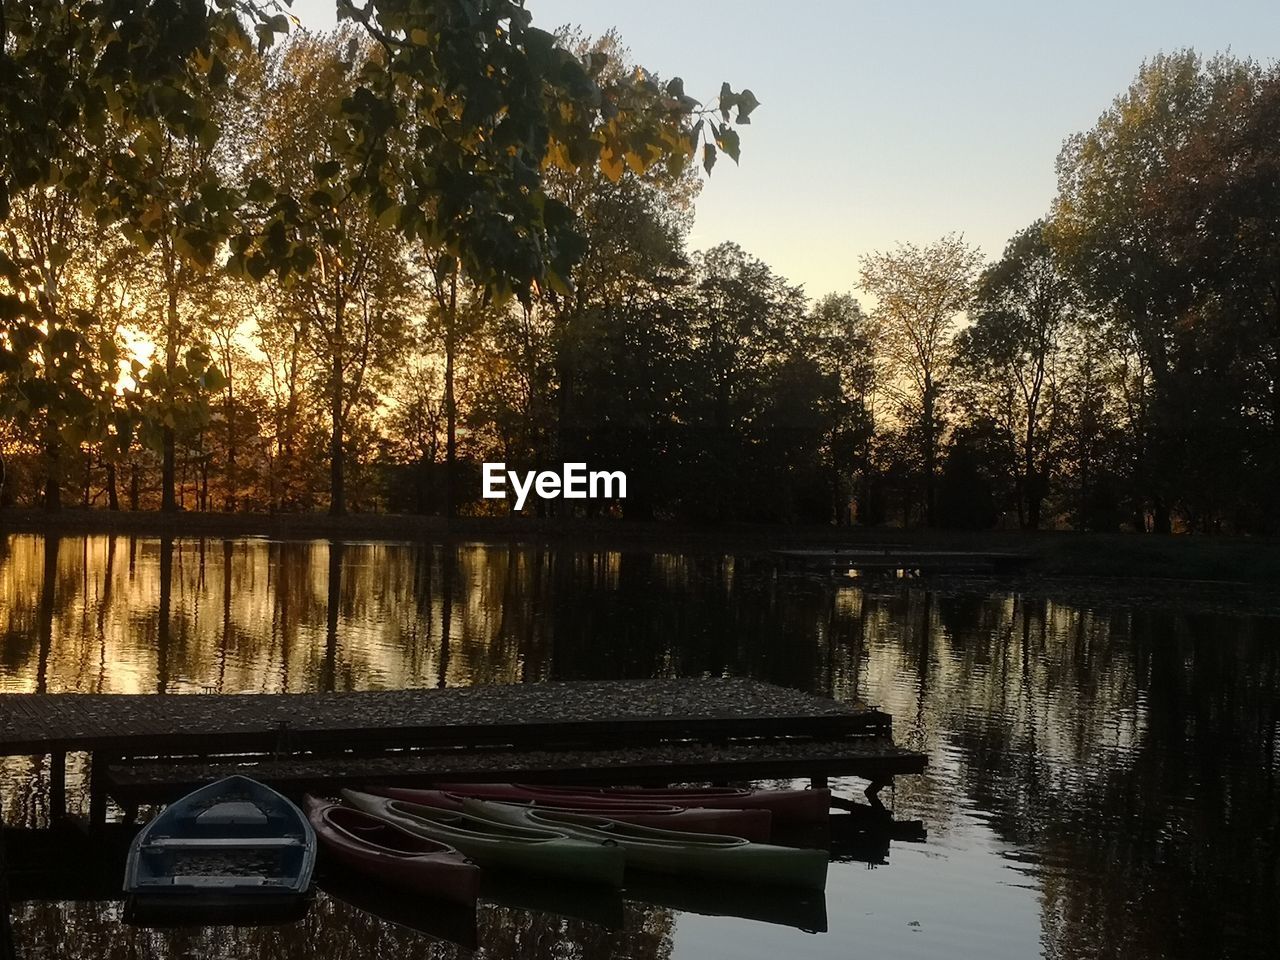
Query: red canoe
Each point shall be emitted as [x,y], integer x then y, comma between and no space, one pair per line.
[786,806]
[755,825]
[371,845]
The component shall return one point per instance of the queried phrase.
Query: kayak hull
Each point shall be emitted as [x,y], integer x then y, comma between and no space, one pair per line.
[664,851]
[499,845]
[785,806]
[755,825]
[383,850]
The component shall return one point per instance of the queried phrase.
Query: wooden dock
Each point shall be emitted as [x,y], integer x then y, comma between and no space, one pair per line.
[151,747]
[892,559]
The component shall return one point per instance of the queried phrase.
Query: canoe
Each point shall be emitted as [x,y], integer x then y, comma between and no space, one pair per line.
[231,844]
[381,849]
[786,806]
[669,851]
[501,845]
[748,824]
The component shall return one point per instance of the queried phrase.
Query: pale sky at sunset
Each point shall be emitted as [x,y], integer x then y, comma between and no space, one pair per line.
[896,121]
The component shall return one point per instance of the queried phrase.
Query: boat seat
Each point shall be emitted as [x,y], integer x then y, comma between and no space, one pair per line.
[232,813]
[222,843]
[216,880]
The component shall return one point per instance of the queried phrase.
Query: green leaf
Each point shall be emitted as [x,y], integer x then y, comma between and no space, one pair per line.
[709,157]
[260,190]
[747,102]
[728,99]
[327,170]
[728,142]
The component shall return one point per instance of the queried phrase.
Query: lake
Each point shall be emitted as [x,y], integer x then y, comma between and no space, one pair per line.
[1102,782]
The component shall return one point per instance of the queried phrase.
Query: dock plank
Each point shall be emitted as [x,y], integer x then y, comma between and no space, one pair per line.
[872,758]
[596,713]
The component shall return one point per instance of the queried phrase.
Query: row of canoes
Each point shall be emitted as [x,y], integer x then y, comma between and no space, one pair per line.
[238,841]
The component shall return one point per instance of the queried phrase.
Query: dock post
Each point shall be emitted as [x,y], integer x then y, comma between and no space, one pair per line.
[8,950]
[818,783]
[57,787]
[97,791]
[873,791]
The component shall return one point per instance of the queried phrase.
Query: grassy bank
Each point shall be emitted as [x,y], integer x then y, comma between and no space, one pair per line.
[1052,554]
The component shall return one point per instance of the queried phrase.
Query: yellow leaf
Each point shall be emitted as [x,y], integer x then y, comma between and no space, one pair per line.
[419,36]
[611,165]
[558,155]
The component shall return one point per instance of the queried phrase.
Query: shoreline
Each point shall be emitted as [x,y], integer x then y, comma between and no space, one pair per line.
[1191,559]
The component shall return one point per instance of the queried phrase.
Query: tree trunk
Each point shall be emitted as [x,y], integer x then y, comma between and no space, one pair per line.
[113,495]
[168,468]
[337,493]
[1161,516]
[133,487]
[204,482]
[930,457]
[53,471]
[450,404]
[565,440]
[1030,491]
[230,498]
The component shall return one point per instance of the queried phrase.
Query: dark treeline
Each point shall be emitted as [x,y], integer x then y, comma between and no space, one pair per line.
[1118,367]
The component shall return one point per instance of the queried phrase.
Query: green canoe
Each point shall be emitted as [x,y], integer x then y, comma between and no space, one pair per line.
[496,844]
[669,851]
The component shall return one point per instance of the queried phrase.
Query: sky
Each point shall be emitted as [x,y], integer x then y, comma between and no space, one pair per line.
[898,121]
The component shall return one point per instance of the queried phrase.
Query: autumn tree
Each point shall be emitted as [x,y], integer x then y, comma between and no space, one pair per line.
[920,293]
[1121,230]
[349,302]
[1011,359]
[445,138]
[844,339]
[60,349]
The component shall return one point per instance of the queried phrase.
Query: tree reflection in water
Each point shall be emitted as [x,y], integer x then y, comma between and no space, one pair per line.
[334,930]
[1121,755]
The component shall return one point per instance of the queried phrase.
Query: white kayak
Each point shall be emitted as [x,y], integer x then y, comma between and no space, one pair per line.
[669,851]
[501,844]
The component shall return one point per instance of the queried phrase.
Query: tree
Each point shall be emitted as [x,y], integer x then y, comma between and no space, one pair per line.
[919,293]
[349,303]
[445,138]
[1119,227]
[844,339]
[1010,354]
[743,315]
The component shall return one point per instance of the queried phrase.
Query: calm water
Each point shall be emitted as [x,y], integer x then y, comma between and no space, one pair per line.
[1102,780]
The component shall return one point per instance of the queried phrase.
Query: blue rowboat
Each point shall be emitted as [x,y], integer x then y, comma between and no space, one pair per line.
[233,844]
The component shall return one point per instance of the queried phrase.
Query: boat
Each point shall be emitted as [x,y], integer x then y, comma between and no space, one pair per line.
[749,824]
[786,806]
[502,845]
[395,856]
[235,844]
[668,851]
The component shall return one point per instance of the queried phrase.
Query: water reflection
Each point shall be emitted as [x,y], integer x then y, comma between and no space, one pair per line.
[1103,779]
